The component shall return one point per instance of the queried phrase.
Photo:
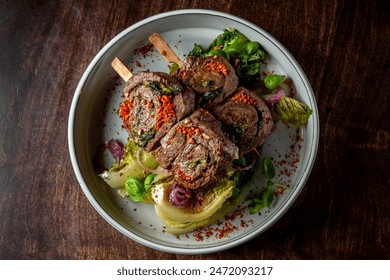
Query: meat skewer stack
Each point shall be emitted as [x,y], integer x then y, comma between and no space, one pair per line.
[197,120]
[245,117]
[194,149]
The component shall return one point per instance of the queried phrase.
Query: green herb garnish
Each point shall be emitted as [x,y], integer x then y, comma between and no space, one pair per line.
[268,196]
[145,137]
[271,81]
[158,88]
[193,164]
[138,190]
[135,189]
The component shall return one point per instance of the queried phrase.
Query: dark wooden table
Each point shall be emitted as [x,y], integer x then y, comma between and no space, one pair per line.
[343,47]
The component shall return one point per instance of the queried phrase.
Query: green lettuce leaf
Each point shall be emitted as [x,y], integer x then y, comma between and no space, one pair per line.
[217,202]
[293,111]
[128,167]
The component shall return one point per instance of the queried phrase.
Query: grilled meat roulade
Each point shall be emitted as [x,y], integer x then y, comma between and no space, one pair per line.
[196,151]
[212,78]
[153,103]
[246,119]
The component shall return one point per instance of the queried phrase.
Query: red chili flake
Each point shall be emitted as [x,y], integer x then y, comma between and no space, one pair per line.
[138,64]
[166,112]
[184,176]
[198,235]
[216,66]
[189,131]
[244,98]
[209,232]
[295,161]
[227,228]
[223,229]
[243,224]
[124,109]
[144,50]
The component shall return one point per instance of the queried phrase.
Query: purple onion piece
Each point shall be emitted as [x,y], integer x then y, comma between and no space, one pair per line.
[282,90]
[179,196]
[116,148]
[274,97]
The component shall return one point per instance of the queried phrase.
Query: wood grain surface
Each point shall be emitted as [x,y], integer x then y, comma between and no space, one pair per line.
[343,47]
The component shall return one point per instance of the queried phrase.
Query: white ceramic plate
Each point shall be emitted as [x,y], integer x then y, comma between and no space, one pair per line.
[93,121]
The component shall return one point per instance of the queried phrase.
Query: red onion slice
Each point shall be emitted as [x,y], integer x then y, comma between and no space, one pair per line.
[116,149]
[179,196]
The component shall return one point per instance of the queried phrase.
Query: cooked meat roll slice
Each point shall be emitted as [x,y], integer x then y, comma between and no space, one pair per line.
[153,103]
[197,151]
[212,78]
[246,119]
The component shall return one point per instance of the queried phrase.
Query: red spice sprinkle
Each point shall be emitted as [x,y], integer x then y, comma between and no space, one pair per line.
[166,112]
[124,109]
[198,235]
[223,229]
[144,50]
[216,66]
[245,98]
[184,176]
[189,131]
[288,165]
[227,228]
